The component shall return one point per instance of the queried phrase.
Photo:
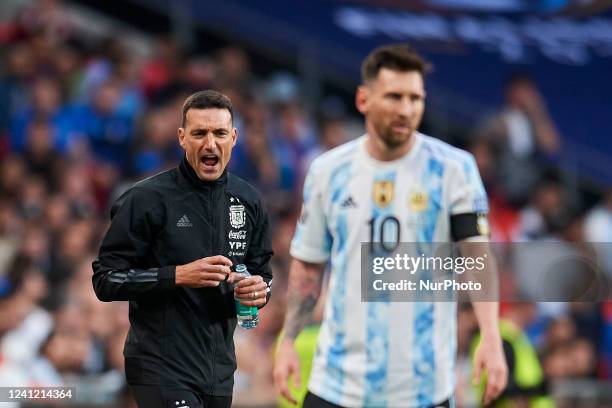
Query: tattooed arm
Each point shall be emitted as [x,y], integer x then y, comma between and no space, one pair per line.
[305,280]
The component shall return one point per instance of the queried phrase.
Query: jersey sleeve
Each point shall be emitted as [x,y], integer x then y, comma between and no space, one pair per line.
[312,240]
[468,202]
[118,270]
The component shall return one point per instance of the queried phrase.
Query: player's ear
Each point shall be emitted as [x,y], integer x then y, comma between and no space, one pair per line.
[181,137]
[361,98]
[234,136]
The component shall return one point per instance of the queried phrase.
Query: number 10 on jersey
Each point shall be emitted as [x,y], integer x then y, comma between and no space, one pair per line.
[386,231]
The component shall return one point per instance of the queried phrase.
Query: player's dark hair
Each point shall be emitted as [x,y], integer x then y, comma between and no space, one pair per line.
[397,57]
[208,99]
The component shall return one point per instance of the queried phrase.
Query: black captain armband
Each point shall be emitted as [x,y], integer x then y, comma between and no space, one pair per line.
[469,225]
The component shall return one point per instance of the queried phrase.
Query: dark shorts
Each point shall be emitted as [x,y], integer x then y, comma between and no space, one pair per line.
[153,396]
[313,401]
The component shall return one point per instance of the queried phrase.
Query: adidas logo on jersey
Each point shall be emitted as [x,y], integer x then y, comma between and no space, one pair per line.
[349,203]
[184,222]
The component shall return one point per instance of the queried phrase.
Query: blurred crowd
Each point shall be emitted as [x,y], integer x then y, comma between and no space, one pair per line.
[83,118]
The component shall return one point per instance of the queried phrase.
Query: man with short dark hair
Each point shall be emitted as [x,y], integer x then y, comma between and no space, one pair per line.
[392,184]
[169,249]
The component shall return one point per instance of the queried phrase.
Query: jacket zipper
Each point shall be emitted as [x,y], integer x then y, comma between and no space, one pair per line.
[213,247]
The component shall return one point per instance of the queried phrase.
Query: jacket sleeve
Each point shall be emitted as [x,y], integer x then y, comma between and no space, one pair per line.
[118,272]
[260,250]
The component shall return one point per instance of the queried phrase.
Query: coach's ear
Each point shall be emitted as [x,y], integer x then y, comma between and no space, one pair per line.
[181,137]
[361,99]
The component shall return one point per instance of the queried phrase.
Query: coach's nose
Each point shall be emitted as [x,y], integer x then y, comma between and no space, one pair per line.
[209,142]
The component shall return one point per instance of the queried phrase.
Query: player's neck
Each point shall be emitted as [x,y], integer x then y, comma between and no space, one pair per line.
[378,150]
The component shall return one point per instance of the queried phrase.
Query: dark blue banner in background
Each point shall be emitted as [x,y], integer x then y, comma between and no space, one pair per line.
[475,46]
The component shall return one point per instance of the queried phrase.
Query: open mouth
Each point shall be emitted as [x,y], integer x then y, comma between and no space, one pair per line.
[209,160]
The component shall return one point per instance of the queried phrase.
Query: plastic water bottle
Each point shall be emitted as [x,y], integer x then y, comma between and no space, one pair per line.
[247,315]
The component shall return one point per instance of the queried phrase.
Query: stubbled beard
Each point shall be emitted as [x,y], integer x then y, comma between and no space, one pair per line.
[392,142]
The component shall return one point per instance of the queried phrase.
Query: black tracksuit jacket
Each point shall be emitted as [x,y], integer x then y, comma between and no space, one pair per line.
[181,337]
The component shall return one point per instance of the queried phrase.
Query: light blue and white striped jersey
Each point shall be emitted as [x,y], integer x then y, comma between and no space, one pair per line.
[399,354]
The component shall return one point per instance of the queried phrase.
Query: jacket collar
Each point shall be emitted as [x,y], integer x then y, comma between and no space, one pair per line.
[189,173]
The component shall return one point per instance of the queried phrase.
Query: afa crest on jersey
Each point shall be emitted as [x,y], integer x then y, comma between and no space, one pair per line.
[383,193]
[418,201]
[236,215]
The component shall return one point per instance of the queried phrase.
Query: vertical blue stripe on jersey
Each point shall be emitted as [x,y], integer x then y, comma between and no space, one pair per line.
[334,373]
[377,324]
[469,173]
[339,180]
[423,367]
[479,200]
